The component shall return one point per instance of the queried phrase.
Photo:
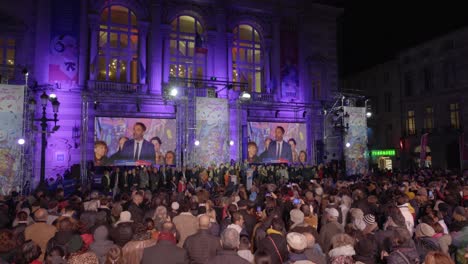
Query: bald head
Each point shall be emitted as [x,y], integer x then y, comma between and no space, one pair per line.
[41,215]
[168,227]
[204,222]
[310,240]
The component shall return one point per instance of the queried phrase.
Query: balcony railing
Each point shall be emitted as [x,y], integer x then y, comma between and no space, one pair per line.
[263,97]
[103,86]
[11,74]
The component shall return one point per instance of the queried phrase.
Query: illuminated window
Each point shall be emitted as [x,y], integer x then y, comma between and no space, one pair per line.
[411,123]
[118,45]
[187,54]
[247,57]
[454,116]
[429,119]
[7,58]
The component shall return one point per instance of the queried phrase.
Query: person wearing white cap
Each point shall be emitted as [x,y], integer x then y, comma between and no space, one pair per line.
[297,243]
[330,229]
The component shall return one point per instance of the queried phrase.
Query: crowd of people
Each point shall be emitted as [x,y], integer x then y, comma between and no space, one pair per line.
[265,214]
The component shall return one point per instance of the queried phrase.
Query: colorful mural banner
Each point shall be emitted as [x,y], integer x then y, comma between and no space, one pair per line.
[212,131]
[111,129]
[11,129]
[356,154]
[259,131]
[65,32]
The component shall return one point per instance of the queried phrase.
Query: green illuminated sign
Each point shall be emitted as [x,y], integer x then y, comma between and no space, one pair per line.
[383,152]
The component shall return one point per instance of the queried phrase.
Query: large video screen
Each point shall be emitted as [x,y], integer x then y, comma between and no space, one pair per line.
[134,141]
[262,145]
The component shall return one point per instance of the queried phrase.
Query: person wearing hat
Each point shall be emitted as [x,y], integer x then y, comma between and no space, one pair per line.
[343,249]
[298,224]
[459,219]
[371,225]
[424,240]
[329,230]
[297,243]
[123,231]
[366,246]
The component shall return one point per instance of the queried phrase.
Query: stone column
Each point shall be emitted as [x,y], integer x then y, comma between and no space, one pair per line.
[276,58]
[155,64]
[268,87]
[165,34]
[84,56]
[229,38]
[212,56]
[93,49]
[42,41]
[142,34]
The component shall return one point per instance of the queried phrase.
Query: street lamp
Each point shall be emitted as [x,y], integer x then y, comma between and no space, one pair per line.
[44,120]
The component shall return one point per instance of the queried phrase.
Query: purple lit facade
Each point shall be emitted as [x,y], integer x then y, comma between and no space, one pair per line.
[118,58]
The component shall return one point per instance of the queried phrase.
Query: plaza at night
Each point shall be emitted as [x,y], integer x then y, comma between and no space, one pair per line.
[218,131]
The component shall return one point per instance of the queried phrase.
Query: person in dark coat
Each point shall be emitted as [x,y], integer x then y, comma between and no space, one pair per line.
[402,250]
[202,246]
[230,242]
[134,208]
[313,251]
[275,240]
[249,220]
[166,250]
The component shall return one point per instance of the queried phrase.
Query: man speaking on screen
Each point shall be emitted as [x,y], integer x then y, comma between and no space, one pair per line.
[138,148]
[280,149]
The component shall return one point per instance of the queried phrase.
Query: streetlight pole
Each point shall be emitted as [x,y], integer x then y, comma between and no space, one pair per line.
[44,120]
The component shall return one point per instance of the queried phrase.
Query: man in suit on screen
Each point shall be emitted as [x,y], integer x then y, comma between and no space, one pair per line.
[280,149]
[138,148]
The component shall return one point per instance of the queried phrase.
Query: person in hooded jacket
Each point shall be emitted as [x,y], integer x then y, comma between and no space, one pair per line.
[101,244]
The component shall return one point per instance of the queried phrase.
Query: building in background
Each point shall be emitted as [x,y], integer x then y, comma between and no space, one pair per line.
[423,90]
[119,57]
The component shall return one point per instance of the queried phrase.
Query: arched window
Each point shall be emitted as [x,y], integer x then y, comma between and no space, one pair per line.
[247,57]
[187,54]
[118,45]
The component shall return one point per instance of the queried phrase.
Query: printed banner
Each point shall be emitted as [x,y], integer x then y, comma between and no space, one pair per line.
[212,132]
[356,151]
[65,32]
[11,129]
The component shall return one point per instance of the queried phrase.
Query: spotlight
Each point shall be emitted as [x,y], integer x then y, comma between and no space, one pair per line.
[96,103]
[173,92]
[231,142]
[52,96]
[368,114]
[348,144]
[304,114]
[21,141]
[55,128]
[197,142]
[277,113]
[245,95]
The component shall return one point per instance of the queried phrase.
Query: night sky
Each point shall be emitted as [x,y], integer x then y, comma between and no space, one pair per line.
[372,32]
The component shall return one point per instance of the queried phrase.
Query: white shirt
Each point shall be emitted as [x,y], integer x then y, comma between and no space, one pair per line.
[137,155]
[279,145]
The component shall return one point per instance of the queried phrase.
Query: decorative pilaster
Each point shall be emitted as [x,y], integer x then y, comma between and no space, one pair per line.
[165,35]
[155,64]
[267,66]
[84,56]
[142,35]
[229,39]
[93,50]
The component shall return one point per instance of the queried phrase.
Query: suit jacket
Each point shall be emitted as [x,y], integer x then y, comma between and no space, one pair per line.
[164,252]
[286,152]
[147,151]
